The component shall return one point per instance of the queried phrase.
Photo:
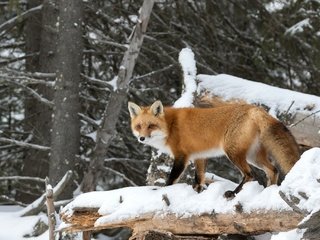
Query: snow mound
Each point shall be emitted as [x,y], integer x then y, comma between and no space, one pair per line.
[278,99]
[303,182]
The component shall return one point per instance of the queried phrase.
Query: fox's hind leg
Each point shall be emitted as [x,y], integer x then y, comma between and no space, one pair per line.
[239,159]
[263,163]
[199,177]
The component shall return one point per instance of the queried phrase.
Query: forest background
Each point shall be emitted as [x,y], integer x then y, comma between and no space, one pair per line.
[59,61]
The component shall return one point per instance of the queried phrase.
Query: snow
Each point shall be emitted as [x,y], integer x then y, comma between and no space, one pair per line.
[295,234]
[127,203]
[305,171]
[298,27]
[188,65]
[14,227]
[278,99]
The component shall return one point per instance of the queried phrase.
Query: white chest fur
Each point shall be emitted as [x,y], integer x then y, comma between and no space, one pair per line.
[158,141]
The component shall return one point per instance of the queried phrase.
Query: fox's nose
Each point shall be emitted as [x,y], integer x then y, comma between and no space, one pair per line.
[142,139]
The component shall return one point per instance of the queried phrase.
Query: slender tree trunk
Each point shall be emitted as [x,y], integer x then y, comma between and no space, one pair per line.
[39,38]
[65,130]
[106,130]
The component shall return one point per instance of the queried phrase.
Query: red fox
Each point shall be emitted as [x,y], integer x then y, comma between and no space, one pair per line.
[246,134]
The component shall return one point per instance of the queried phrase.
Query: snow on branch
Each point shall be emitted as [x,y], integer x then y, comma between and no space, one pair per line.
[22,178]
[188,66]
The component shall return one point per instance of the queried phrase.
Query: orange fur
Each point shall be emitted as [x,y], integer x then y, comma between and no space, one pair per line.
[246,134]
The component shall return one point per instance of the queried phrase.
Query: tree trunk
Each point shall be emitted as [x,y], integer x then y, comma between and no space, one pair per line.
[66,127]
[107,130]
[40,37]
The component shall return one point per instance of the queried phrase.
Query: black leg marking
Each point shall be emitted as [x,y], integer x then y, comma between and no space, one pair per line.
[231,194]
[177,169]
[196,178]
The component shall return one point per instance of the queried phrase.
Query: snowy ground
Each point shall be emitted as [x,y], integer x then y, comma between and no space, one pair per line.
[14,227]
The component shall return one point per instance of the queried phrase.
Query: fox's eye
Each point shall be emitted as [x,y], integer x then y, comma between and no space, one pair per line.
[152,126]
[138,127]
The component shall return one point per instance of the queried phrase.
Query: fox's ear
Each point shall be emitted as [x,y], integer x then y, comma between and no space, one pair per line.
[157,108]
[134,109]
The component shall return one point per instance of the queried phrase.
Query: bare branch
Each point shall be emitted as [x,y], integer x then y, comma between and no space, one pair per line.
[12,44]
[88,119]
[301,120]
[121,175]
[153,72]
[33,93]
[12,200]
[13,21]
[5,62]
[35,207]
[24,144]
[23,178]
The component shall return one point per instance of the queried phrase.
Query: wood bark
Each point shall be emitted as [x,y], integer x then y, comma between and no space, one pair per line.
[107,130]
[40,37]
[257,222]
[65,136]
[50,210]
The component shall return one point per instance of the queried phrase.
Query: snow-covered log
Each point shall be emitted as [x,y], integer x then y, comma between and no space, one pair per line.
[210,224]
[299,111]
[181,210]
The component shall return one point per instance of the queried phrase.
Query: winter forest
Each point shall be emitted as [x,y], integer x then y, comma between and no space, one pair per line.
[67,72]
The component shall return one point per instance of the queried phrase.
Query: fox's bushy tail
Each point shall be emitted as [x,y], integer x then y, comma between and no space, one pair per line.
[278,140]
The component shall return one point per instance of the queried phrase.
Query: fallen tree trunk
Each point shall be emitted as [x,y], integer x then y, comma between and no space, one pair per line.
[298,111]
[257,222]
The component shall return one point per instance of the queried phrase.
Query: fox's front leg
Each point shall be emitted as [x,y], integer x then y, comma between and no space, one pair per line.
[199,177]
[179,166]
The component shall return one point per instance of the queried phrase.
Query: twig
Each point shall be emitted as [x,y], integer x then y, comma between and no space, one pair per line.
[12,44]
[12,60]
[98,81]
[25,80]
[88,119]
[301,120]
[292,204]
[166,199]
[34,94]
[24,144]
[11,200]
[121,175]
[13,21]
[153,72]
[28,74]
[36,206]
[286,113]
[23,178]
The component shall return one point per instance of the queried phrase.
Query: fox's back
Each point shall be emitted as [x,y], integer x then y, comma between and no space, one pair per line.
[199,129]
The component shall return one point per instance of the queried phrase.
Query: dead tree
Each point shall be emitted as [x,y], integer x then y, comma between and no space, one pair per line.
[111,114]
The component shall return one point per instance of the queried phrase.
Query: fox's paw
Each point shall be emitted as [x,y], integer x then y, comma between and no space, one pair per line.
[229,195]
[199,187]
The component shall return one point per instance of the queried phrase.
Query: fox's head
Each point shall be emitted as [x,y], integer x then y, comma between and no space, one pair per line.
[148,123]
